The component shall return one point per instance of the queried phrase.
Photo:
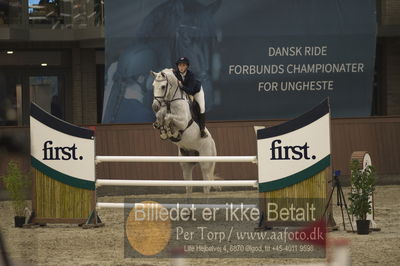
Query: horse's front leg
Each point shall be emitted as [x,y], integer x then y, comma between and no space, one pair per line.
[157,124]
[163,133]
[160,116]
[178,121]
[169,125]
[160,124]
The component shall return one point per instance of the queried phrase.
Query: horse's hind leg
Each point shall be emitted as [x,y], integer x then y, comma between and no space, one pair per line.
[207,170]
[187,170]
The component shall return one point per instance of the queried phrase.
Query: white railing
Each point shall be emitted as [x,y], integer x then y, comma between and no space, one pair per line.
[117,205]
[176,159]
[177,183]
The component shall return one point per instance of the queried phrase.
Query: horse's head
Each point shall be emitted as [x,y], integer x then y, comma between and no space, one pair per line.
[164,84]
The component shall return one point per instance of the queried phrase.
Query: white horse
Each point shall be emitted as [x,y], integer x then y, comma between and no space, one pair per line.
[173,117]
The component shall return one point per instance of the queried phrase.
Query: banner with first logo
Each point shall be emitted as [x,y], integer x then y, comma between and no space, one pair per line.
[63,151]
[62,158]
[294,151]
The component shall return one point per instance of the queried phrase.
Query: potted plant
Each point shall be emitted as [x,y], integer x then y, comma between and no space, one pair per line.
[363,184]
[16,184]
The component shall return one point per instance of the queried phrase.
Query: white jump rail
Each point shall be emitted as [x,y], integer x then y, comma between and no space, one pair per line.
[174,183]
[118,205]
[177,183]
[176,159]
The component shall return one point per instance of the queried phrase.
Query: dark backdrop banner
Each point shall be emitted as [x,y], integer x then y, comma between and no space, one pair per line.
[256,59]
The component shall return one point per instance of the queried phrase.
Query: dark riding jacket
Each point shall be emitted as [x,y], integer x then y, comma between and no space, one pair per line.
[190,85]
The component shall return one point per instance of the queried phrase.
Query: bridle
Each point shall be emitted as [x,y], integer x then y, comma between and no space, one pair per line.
[163,101]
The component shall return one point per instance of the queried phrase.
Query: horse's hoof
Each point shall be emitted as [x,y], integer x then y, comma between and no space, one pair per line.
[156,125]
[170,134]
[163,134]
[175,139]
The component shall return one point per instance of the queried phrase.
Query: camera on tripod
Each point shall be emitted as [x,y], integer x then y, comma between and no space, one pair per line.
[340,198]
[335,178]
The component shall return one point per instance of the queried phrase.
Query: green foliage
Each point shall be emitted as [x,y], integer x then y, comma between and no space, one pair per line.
[16,183]
[363,184]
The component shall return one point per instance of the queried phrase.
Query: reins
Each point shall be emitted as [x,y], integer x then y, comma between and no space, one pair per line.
[162,99]
[164,102]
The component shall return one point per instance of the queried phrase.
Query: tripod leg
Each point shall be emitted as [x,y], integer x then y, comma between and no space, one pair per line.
[329,201]
[340,203]
[347,210]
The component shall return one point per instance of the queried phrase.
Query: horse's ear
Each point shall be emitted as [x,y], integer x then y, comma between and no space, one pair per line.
[213,7]
[154,74]
[163,74]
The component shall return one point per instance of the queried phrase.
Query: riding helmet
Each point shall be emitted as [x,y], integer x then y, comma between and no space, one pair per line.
[183,60]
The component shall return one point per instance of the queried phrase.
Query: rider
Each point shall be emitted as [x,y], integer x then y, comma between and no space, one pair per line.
[188,82]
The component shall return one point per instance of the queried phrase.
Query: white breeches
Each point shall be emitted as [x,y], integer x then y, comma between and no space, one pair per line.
[199,98]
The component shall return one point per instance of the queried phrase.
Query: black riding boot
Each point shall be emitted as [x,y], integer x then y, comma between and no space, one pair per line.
[202,124]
